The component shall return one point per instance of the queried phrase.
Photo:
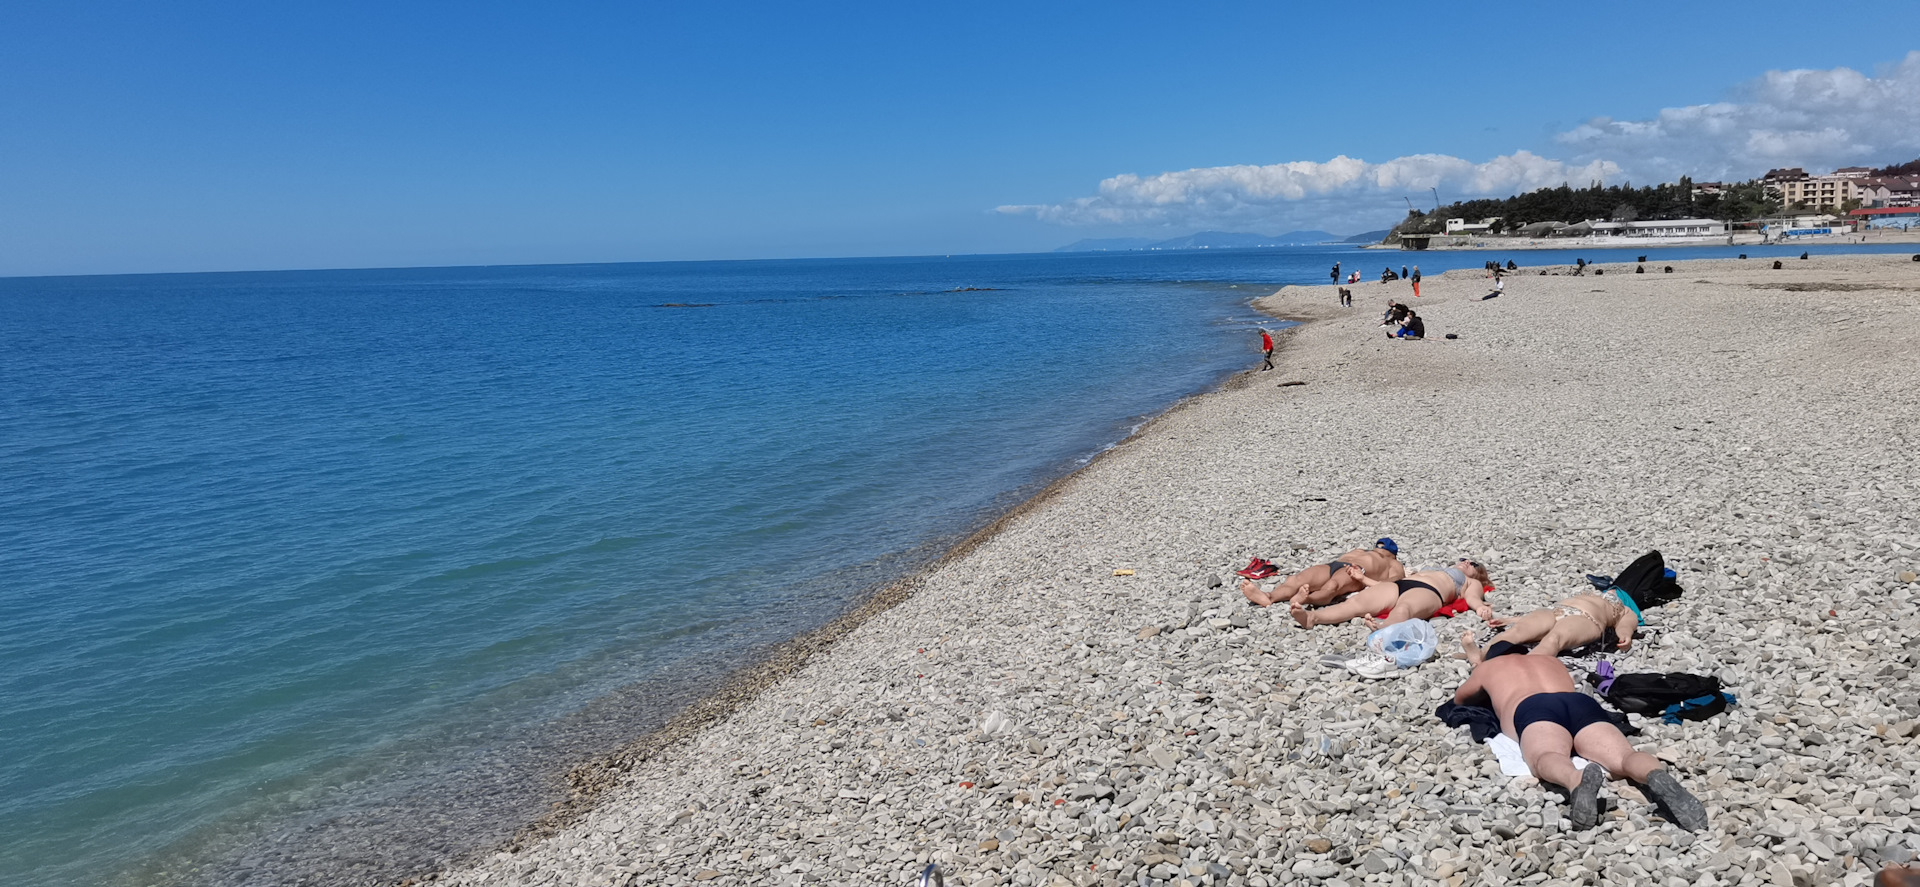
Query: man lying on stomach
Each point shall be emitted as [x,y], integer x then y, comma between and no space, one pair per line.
[1540,709]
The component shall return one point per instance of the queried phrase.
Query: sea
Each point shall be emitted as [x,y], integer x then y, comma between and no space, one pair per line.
[315,577]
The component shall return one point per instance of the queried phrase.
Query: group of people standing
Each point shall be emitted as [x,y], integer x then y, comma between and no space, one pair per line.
[1386,274]
[1518,675]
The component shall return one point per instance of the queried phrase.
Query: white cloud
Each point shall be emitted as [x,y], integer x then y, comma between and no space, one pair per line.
[1815,119]
[1224,195]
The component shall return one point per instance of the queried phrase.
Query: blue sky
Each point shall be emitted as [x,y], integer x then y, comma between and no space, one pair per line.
[206,136]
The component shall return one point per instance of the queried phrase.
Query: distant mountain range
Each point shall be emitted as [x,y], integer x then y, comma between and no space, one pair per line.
[1214,240]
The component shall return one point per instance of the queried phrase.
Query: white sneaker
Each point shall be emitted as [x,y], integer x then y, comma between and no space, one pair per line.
[1376,667]
[1341,660]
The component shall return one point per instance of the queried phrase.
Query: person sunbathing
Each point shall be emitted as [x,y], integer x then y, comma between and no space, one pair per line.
[1325,583]
[1575,622]
[1417,596]
[1541,710]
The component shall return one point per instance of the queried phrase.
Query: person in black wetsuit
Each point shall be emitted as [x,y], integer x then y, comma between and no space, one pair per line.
[1540,709]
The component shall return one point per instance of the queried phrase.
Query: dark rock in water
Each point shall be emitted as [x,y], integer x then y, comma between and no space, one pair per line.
[1641,259]
[1743,255]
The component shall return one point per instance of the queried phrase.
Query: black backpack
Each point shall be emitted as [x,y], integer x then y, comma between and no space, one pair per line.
[1647,580]
[1673,697]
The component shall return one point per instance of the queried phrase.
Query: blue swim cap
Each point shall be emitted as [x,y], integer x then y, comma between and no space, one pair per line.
[1388,544]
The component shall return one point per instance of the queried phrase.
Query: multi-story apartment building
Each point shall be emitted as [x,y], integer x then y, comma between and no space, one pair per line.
[1819,192]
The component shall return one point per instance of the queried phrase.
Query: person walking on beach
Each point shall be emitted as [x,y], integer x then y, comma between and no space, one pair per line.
[1336,272]
[1416,281]
[1540,709]
[1266,345]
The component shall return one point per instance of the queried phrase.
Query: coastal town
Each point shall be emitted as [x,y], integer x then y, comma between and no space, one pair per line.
[1785,204]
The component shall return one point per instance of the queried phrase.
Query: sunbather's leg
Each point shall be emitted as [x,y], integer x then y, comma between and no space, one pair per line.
[1566,634]
[1548,748]
[1337,586]
[1296,586]
[1252,591]
[1371,599]
[1470,650]
[1526,629]
[1605,744]
[1417,603]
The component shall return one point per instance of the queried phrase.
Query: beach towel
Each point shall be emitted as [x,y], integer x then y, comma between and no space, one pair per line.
[1513,763]
[1484,725]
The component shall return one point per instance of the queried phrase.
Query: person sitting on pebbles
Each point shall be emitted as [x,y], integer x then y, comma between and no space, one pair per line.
[1575,622]
[1325,583]
[1417,596]
[1541,710]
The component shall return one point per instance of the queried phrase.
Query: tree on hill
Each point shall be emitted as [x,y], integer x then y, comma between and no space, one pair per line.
[1623,202]
[1909,168]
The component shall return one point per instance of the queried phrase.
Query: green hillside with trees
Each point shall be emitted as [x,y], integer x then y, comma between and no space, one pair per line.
[1621,203]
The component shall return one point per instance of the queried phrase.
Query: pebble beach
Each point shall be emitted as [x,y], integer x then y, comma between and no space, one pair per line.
[1080,696]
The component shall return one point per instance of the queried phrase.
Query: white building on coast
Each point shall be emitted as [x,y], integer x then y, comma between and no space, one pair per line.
[1462,226]
[1656,228]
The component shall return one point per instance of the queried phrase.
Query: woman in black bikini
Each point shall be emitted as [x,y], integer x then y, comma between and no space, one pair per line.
[1418,596]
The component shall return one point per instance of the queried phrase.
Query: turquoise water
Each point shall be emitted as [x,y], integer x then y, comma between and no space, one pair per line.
[325,576]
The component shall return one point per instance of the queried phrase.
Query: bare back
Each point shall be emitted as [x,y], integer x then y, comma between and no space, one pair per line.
[1509,680]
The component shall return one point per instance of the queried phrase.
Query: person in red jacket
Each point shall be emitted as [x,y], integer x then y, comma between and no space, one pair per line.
[1266,345]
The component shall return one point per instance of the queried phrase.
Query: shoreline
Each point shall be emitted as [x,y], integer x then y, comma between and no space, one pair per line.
[589,782]
[1027,576]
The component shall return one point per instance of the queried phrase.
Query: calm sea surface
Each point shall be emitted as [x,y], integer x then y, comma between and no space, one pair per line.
[325,576]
